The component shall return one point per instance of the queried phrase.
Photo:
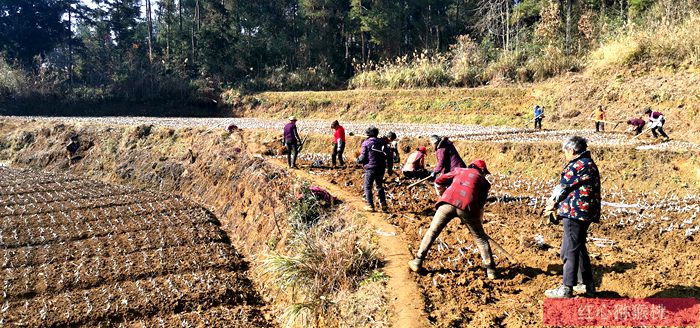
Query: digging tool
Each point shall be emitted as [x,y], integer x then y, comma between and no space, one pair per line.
[615,124]
[532,120]
[643,132]
[512,259]
[417,182]
[301,144]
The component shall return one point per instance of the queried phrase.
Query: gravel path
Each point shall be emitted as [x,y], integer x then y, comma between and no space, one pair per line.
[455,131]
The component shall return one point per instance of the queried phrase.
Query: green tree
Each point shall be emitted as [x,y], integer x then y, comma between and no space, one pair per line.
[32,27]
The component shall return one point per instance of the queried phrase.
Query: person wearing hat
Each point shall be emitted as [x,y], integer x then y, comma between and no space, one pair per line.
[415,165]
[463,193]
[448,158]
[375,159]
[394,146]
[656,123]
[577,202]
[292,141]
[338,143]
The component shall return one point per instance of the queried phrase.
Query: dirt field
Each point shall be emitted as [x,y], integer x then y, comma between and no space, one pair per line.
[76,252]
[646,246]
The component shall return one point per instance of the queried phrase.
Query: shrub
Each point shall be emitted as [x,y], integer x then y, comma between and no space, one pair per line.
[12,80]
[621,52]
[467,62]
[319,77]
[551,62]
[329,258]
[505,67]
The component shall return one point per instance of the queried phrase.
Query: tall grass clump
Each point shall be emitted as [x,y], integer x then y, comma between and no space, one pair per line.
[282,78]
[419,70]
[552,62]
[327,261]
[468,62]
[656,42]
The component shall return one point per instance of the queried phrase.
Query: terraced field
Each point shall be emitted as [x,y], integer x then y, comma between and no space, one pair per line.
[76,252]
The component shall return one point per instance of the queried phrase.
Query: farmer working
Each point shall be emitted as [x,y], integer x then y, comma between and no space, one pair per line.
[415,165]
[393,143]
[448,158]
[375,159]
[338,143]
[656,123]
[463,194]
[292,141]
[538,115]
[636,125]
[598,116]
[577,202]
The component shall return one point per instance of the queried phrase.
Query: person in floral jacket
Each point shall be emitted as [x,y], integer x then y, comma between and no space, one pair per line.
[577,202]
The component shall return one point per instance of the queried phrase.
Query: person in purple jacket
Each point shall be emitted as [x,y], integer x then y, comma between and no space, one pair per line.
[448,158]
[656,123]
[375,158]
[636,125]
[292,141]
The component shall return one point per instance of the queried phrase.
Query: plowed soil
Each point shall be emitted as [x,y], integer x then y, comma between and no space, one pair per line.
[76,252]
[645,246]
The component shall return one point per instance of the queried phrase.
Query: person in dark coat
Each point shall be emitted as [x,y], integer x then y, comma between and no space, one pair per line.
[375,158]
[577,201]
[463,194]
[393,143]
[292,141]
[448,158]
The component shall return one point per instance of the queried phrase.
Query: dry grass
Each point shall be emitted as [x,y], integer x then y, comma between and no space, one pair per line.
[420,70]
[328,258]
[655,44]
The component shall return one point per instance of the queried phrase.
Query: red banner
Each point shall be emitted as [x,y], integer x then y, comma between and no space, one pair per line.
[620,312]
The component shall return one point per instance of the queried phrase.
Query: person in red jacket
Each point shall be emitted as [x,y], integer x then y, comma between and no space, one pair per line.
[415,165]
[338,143]
[463,194]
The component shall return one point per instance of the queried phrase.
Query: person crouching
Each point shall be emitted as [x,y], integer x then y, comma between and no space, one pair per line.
[415,165]
[463,194]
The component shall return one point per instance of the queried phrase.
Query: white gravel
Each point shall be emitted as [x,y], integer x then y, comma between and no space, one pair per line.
[454,131]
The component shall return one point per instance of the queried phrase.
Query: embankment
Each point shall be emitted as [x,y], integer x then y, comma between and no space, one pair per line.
[251,197]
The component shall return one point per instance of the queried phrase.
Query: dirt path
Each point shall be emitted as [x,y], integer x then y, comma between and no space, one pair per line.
[404,296]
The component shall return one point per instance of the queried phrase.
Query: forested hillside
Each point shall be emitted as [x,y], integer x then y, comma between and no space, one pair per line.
[185,52]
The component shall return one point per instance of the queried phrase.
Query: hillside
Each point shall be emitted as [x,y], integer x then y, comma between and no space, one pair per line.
[568,101]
